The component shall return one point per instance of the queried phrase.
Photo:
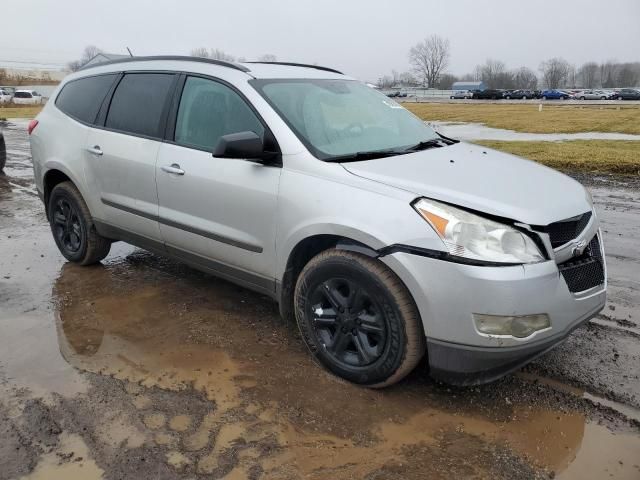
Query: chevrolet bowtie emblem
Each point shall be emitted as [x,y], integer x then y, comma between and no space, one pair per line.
[579,248]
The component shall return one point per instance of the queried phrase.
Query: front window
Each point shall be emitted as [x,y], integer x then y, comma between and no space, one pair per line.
[336,119]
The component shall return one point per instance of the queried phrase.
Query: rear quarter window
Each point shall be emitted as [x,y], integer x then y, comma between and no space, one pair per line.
[138,103]
[22,95]
[81,99]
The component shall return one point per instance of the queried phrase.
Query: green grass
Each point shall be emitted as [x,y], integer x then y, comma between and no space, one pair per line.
[527,118]
[594,156]
[20,111]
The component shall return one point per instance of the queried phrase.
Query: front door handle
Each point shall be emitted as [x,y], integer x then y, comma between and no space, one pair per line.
[95,150]
[174,168]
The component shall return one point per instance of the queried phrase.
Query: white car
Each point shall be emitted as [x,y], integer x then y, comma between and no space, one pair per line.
[5,96]
[27,97]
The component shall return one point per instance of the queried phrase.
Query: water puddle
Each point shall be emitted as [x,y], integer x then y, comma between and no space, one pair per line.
[479,131]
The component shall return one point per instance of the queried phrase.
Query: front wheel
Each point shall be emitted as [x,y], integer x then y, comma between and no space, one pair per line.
[72,226]
[358,319]
[620,98]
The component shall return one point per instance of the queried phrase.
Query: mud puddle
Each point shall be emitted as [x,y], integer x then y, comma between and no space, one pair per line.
[144,368]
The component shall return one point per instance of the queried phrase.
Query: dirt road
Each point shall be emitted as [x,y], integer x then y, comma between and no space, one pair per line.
[144,368]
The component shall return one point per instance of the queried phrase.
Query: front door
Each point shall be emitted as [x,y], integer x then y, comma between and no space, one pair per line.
[218,212]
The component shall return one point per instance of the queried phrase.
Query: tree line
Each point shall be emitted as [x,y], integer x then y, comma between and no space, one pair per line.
[430,60]
[91,51]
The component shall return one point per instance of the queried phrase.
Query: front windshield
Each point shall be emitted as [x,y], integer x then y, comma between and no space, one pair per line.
[338,118]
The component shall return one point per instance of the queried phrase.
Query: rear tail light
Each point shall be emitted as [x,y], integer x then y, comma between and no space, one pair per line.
[32,125]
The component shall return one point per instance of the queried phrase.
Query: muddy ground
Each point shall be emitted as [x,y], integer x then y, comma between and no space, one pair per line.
[144,368]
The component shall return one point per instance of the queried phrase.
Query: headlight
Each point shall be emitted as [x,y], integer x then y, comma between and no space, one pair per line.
[471,236]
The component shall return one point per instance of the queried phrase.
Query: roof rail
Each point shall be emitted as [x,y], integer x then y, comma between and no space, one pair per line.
[292,64]
[183,58]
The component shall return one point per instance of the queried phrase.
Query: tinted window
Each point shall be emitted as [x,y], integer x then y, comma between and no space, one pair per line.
[209,110]
[138,102]
[82,98]
[22,95]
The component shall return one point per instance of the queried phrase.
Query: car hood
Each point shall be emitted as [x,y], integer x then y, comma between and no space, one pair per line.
[481,179]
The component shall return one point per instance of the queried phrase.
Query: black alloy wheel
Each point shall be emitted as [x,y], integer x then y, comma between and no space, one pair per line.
[66,225]
[358,319]
[348,322]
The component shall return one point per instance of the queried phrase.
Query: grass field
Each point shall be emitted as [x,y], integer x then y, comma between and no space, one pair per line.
[597,156]
[20,111]
[527,118]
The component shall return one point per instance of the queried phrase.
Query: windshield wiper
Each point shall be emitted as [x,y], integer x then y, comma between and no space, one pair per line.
[434,143]
[355,157]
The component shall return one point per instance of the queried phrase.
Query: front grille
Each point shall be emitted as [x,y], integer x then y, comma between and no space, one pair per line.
[586,271]
[566,230]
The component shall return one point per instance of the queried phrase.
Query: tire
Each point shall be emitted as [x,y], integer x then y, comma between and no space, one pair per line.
[582,98]
[524,97]
[376,347]
[508,97]
[603,98]
[3,152]
[544,97]
[620,98]
[72,226]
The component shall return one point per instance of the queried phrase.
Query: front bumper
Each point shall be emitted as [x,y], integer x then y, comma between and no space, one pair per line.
[447,294]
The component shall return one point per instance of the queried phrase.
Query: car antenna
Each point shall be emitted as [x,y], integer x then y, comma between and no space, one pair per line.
[130,54]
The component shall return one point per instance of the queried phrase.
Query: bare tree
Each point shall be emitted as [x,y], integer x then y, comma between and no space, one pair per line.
[627,76]
[589,74]
[218,54]
[554,72]
[430,58]
[525,78]
[446,81]
[215,54]
[200,52]
[88,53]
[608,73]
[493,73]
[267,57]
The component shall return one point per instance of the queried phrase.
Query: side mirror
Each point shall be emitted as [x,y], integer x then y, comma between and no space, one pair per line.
[244,145]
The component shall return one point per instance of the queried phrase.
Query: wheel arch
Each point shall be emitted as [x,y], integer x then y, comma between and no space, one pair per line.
[303,251]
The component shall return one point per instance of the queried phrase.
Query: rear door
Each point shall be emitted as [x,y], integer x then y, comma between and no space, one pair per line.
[218,212]
[122,151]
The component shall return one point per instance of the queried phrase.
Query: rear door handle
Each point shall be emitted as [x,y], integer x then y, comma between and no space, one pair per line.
[95,150]
[174,168]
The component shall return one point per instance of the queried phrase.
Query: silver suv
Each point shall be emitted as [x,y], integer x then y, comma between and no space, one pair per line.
[383,239]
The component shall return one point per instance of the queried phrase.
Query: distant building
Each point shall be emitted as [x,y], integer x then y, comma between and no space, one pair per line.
[469,86]
[104,57]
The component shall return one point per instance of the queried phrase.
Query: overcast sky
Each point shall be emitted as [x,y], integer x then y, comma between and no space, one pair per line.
[362,38]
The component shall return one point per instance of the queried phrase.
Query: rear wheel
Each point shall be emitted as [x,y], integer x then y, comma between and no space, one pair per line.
[544,97]
[620,98]
[358,319]
[73,228]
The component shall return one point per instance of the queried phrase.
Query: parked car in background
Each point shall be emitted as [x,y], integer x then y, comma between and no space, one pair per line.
[26,97]
[5,96]
[462,94]
[626,94]
[522,94]
[382,247]
[554,95]
[396,94]
[489,94]
[592,95]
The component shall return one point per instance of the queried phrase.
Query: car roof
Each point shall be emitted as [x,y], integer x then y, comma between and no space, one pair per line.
[262,70]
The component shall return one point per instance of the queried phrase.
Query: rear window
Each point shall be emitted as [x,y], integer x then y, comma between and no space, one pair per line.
[22,95]
[138,103]
[81,99]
